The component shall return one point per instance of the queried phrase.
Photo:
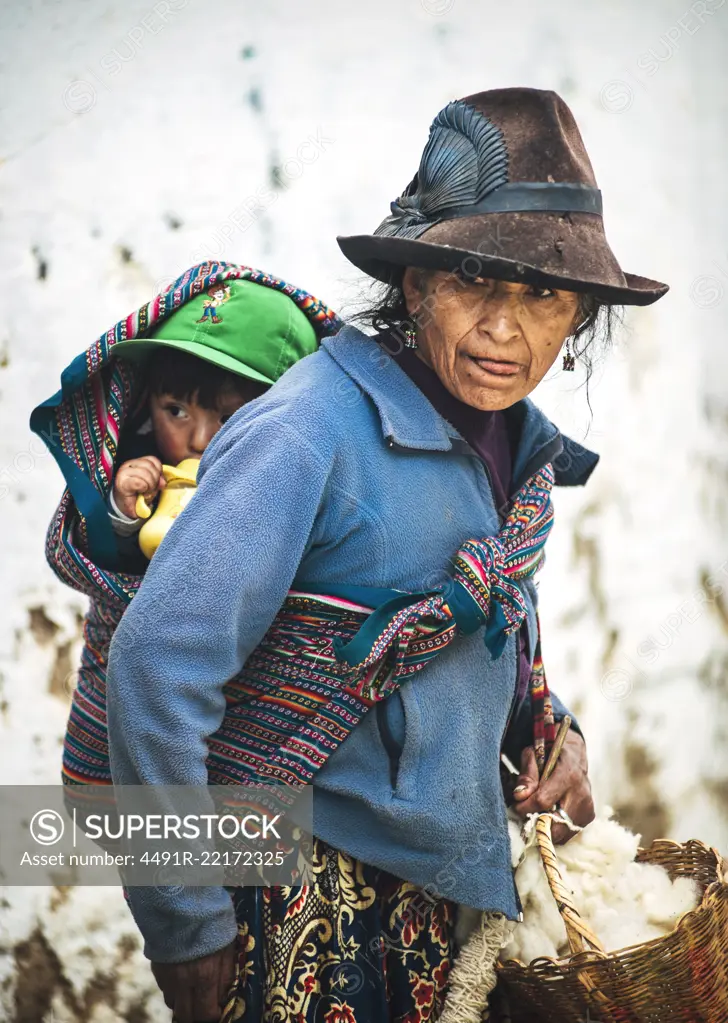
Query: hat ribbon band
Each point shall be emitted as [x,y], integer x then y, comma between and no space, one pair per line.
[523,196]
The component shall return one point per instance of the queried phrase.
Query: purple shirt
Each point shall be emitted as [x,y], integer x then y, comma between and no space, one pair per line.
[489,436]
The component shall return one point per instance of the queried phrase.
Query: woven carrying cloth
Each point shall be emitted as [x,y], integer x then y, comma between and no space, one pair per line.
[328,656]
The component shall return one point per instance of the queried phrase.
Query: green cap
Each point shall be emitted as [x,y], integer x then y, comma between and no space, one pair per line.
[243,327]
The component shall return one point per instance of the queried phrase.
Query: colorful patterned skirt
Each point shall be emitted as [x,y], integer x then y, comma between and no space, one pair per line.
[358,946]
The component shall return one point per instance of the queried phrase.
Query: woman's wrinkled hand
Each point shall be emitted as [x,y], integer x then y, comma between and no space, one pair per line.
[568,786]
[196,991]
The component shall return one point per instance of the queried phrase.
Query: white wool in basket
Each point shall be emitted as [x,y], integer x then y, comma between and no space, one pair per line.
[623,902]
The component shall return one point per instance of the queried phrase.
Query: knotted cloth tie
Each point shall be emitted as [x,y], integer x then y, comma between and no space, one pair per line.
[358,656]
[403,633]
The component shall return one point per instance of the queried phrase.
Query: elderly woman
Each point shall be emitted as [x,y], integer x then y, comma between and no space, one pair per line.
[407,476]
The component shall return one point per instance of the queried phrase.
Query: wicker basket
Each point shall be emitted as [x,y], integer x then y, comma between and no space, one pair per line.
[682,976]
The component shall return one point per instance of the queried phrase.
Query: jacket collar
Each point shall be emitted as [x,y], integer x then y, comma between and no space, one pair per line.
[409,420]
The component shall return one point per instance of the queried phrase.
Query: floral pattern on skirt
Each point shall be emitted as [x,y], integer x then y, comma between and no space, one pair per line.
[357,946]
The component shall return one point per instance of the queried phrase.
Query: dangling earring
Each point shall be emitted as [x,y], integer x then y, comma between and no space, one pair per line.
[569,360]
[410,336]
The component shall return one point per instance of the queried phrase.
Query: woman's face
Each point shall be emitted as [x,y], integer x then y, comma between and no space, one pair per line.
[490,342]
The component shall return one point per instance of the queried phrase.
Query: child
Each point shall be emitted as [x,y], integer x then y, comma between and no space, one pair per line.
[189,399]
[198,371]
[155,389]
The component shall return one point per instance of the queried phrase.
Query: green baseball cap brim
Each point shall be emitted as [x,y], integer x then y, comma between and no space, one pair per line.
[243,327]
[140,348]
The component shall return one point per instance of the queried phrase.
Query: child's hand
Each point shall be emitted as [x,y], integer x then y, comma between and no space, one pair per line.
[137,476]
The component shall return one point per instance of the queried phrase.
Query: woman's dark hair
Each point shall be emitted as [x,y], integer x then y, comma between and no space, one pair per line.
[596,321]
[186,377]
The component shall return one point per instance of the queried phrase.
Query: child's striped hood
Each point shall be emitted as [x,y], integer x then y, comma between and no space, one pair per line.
[82,421]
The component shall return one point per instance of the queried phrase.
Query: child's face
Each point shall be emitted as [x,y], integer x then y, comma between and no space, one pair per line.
[183,429]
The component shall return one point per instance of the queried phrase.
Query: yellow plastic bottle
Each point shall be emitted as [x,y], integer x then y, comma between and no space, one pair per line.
[181,484]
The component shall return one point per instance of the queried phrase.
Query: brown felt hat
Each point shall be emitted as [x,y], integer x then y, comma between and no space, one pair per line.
[505,189]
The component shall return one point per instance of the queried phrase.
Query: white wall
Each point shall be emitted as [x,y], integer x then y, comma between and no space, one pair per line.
[135,140]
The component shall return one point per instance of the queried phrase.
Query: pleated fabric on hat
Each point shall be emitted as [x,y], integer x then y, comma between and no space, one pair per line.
[464,160]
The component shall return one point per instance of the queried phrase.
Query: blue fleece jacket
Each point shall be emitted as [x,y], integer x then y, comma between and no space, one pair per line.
[343,473]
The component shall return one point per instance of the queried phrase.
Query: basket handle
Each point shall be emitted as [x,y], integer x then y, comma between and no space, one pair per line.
[577,931]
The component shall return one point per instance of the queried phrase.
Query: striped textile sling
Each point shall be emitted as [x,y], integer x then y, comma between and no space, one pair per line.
[328,656]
